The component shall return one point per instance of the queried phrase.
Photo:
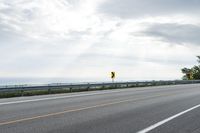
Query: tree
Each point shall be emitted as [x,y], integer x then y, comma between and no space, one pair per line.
[198,60]
[196,72]
[192,73]
[187,72]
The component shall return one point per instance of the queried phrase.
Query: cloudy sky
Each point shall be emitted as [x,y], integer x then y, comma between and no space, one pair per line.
[86,39]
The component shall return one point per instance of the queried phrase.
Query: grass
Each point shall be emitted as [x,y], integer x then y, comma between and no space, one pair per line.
[32,93]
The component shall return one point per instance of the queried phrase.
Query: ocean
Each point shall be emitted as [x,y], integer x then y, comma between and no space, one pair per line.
[21,81]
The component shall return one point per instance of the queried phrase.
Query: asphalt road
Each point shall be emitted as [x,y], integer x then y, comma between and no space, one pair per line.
[166,109]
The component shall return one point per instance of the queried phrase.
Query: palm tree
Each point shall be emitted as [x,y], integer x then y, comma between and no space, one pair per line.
[187,72]
[196,72]
[198,59]
[192,73]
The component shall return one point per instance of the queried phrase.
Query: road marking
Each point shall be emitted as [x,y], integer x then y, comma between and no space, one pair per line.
[78,95]
[150,128]
[81,95]
[79,109]
[69,96]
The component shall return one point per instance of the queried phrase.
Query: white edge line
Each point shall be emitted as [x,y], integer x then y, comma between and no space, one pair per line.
[59,97]
[62,97]
[167,120]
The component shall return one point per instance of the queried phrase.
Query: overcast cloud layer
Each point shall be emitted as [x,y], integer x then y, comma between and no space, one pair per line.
[86,39]
[140,8]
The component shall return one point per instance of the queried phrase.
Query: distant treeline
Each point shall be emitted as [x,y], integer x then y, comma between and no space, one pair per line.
[192,73]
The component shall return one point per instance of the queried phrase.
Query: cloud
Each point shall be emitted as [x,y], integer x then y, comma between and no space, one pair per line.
[47,18]
[141,8]
[72,38]
[175,33]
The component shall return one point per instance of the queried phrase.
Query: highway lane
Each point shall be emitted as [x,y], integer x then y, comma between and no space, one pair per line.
[118,111]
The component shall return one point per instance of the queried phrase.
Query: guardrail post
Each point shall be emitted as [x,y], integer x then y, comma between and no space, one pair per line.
[70,89]
[49,90]
[115,86]
[88,86]
[103,86]
[22,92]
[136,84]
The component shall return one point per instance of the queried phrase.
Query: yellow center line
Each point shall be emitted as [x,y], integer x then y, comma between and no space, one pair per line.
[75,110]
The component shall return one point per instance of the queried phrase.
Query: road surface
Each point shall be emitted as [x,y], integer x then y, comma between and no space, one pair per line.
[166,109]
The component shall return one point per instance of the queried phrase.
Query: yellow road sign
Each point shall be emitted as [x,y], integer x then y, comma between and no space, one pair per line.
[113,75]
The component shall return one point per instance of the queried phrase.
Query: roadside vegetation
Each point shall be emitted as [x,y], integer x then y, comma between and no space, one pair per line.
[192,73]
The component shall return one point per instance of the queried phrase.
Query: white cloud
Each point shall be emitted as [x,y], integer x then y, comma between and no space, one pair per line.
[135,8]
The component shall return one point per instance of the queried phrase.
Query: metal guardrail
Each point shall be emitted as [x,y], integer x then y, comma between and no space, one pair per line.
[91,86]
